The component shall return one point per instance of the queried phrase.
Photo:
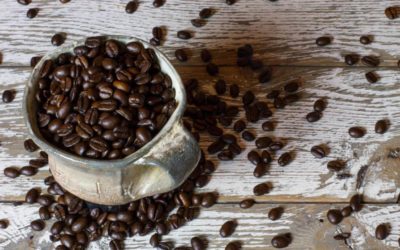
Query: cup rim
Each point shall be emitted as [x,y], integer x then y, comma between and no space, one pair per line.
[105,163]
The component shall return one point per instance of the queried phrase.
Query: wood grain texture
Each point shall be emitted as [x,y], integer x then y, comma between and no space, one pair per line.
[282,32]
[306,222]
[351,101]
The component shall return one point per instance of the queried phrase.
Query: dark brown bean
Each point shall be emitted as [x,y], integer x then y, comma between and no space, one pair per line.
[184,34]
[228,228]
[197,243]
[57,39]
[248,136]
[212,69]
[365,40]
[323,41]
[32,195]
[355,202]
[313,116]
[30,146]
[284,159]
[381,126]
[346,211]
[158,3]
[205,55]
[208,200]
[28,171]
[318,152]
[372,77]
[265,76]
[392,12]
[268,126]
[263,142]
[351,59]
[44,213]
[342,236]
[381,232]
[275,213]
[336,165]
[8,96]
[356,132]
[11,172]
[37,225]
[181,55]
[247,203]
[198,22]
[334,216]
[281,241]
[131,6]
[239,126]
[24,2]
[254,157]
[32,13]
[3,223]
[319,105]
[371,61]
[261,189]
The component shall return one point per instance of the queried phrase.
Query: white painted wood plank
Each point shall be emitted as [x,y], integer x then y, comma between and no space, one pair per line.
[351,101]
[254,229]
[282,32]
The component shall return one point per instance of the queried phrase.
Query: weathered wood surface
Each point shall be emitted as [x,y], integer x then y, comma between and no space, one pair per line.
[306,222]
[283,32]
[351,101]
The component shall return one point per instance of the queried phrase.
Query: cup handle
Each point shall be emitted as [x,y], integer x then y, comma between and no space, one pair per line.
[166,166]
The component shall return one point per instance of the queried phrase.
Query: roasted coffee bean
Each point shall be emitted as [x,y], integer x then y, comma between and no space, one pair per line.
[372,77]
[318,152]
[266,157]
[57,39]
[284,159]
[247,203]
[319,105]
[365,40]
[131,6]
[24,2]
[279,103]
[381,232]
[371,61]
[208,200]
[356,132]
[3,223]
[65,1]
[275,213]
[263,142]
[205,55]
[157,32]
[228,228]
[230,2]
[45,200]
[381,126]
[158,3]
[291,87]
[225,155]
[35,60]
[392,12]
[252,114]
[261,189]
[239,126]
[235,148]
[346,211]
[197,243]
[268,126]
[155,240]
[313,116]
[275,146]
[248,136]
[181,55]
[355,202]
[265,76]
[334,216]
[44,213]
[8,96]
[254,157]
[57,227]
[323,41]
[216,147]
[37,225]
[198,22]
[248,98]
[260,170]
[351,59]
[30,146]
[220,87]
[206,13]
[212,69]
[32,195]
[273,94]
[28,171]
[11,172]
[281,241]
[79,224]
[32,13]
[341,236]
[336,165]
[184,34]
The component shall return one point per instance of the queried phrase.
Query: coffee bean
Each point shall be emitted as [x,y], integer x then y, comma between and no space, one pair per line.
[28,171]
[3,223]
[228,228]
[323,41]
[318,152]
[265,76]
[79,224]
[32,195]
[131,6]
[197,243]
[115,245]
[158,3]
[341,236]
[247,203]
[275,146]
[392,12]
[346,211]
[372,77]
[268,126]
[280,241]
[279,103]
[356,132]
[248,136]
[291,87]
[273,94]
[254,157]
[234,90]
[225,155]
[212,69]
[313,116]
[355,202]
[65,1]
[57,39]
[208,200]
[24,2]
[334,216]
[336,165]
[205,55]
[263,142]
[371,61]
[381,126]
[220,87]
[197,22]
[11,172]
[266,157]
[181,55]
[381,232]
[44,213]
[275,213]
[37,225]
[284,159]
[35,60]
[45,200]
[351,59]
[260,170]
[261,189]
[365,40]
[184,34]
[155,240]
[230,2]
[8,96]
[248,98]
[206,13]
[32,13]
[319,105]
[30,146]
[239,126]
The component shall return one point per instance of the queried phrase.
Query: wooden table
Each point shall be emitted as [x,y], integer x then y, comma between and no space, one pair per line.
[283,34]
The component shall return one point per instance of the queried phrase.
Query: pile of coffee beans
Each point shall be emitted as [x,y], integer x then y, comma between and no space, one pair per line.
[105,101]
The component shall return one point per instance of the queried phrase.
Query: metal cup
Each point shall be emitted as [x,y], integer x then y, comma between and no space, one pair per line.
[160,166]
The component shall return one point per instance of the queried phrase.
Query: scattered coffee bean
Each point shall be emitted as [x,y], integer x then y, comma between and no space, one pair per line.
[291,87]
[197,22]
[313,116]
[279,103]
[32,13]
[356,132]
[372,77]
[323,41]
[355,202]
[336,165]
[263,142]
[281,241]
[234,245]
[30,146]
[57,39]
[212,69]
[32,195]
[65,1]
[273,94]
[265,76]
[318,152]
[37,225]
[8,96]
[261,189]
[247,203]
[197,243]
[266,157]
[155,240]
[131,6]
[28,171]
[334,216]
[284,159]
[38,163]
[275,146]
[220,87]
[254,157]
[248,136]
[351,59]
[260,170]
[228,228]
[371,61]
[35,60]
[365,39]
[230,2]
[342,236]
[206,13]
[205,55]
[11,172]
[3,223]
[184,34]
[392,12]
[268,126]
[319,105]
[239,126]
[381,126]
[346,211]
[208,200]
[158,3]
[44,213]
[275,213]
[181,55]
[381,232]
[24,2]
